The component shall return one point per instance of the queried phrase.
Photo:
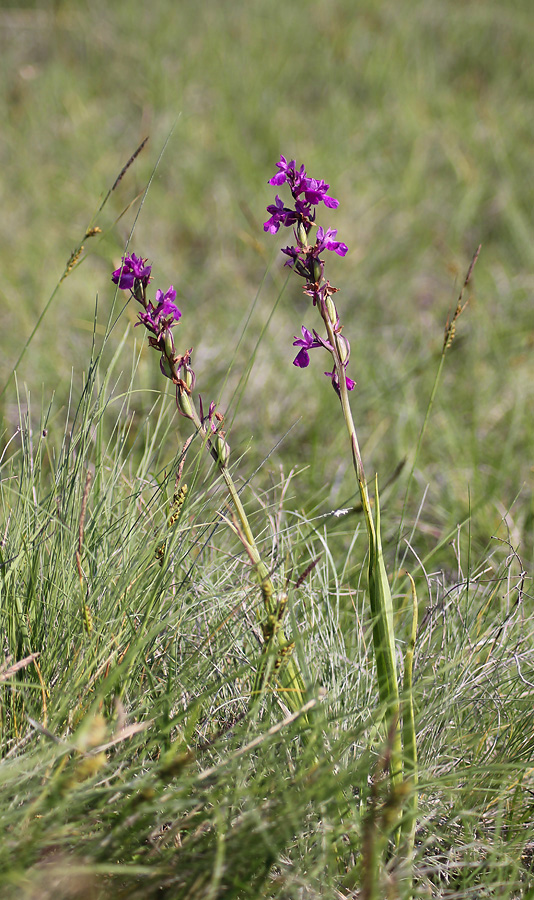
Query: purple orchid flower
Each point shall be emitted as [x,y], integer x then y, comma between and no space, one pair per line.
[165,314]
[325,241]
[133,269]
[280,215]
[288,172]
[315,192]
[307,342]
[335,381]
[294,253]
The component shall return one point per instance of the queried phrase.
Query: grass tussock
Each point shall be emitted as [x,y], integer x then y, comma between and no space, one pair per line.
[132,762]
[187,711]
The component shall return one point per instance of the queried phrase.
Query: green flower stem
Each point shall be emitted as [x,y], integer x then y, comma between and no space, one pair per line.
[408,736]
[379,590]
[277,646]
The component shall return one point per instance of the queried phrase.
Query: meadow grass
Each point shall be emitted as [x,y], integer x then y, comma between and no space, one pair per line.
[133,763]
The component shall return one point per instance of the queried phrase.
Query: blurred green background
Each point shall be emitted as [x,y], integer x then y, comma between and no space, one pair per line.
[418,113]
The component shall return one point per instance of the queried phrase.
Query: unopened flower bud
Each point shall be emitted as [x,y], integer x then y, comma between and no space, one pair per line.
[189,377]
[302,237]
[184,402]
[222,448]
[331,310]
[169,343]
[183,364]
[317,271]
[165,366]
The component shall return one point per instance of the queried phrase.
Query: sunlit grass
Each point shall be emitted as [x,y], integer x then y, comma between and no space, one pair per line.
[131,762]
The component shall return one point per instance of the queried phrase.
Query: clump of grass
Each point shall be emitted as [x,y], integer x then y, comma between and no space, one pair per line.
[151,747]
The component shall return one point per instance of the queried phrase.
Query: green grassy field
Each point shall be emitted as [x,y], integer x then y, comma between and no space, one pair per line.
[133,761]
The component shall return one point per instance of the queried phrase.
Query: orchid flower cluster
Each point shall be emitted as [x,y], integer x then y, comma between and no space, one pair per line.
[305,259]
[159,318]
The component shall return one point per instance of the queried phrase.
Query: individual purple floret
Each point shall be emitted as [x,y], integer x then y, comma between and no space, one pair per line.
[313,190]
[325,241]
[335,381]
[307,342]
[165,314]
[280,215]
[133,269]
[287,172]
[305,260]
